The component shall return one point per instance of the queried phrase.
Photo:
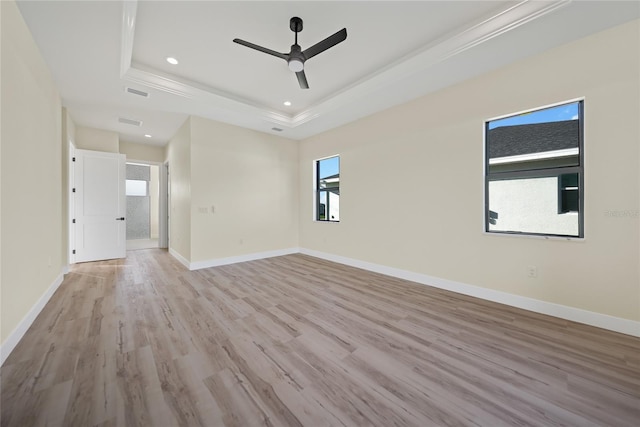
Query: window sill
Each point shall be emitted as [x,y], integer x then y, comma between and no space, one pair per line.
[534,236]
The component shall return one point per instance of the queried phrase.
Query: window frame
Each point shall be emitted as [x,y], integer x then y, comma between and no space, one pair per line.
[317,190]
[537,173]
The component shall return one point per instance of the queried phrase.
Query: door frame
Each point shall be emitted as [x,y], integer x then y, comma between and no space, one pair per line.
[71,256]
[163,201]
[163,211]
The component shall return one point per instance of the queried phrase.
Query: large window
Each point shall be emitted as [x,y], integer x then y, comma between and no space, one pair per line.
[327,175]
[534,179]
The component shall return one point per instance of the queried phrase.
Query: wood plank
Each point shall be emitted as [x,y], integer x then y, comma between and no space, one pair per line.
[296,340]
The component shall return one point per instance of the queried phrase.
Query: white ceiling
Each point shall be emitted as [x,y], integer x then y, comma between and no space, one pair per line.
[395,51]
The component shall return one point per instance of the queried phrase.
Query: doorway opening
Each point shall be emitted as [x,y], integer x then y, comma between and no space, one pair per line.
[143,205]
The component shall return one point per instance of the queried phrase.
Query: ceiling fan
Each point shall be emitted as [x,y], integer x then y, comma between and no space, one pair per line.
[297,57]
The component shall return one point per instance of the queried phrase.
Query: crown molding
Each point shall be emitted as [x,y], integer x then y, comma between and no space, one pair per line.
[510,19]
[434,53]
[129,9]
[175,85]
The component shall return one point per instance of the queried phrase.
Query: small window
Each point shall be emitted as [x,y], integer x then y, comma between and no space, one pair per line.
[534,180]
[568,196]
[328,189]
[136,187]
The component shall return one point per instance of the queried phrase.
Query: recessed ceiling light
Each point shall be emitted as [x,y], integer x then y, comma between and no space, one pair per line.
[147,136]
[287,103]
[171,60]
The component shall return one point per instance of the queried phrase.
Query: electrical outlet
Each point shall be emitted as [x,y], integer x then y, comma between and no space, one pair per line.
[532,271]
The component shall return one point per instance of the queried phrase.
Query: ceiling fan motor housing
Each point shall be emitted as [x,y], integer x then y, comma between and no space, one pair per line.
[295,24]
[296,58]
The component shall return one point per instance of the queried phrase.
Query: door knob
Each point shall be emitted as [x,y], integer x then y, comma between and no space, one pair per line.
[120,219]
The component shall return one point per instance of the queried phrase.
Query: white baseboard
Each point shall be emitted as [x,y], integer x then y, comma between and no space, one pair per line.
[624,326]
[179,257]
[617,324]
[16,335]
[241,258]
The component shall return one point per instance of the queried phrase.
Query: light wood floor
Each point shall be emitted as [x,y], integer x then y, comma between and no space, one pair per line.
[294,340]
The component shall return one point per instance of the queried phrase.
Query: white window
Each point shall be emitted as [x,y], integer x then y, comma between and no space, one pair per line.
[136,187]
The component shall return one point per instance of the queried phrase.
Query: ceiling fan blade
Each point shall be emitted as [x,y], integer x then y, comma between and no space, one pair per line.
[262,49]
[302,80]
[325,44]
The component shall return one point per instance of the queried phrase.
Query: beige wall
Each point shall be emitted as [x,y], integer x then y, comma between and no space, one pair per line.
[412,186]
[249,178]
[142,152]
[179,157]
[97,140]
[31,173]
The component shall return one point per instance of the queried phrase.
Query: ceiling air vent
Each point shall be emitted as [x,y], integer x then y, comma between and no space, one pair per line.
[130,121]
[137,92]
[277,129]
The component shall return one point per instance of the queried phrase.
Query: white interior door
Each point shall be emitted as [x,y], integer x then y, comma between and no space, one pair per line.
[100,206]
